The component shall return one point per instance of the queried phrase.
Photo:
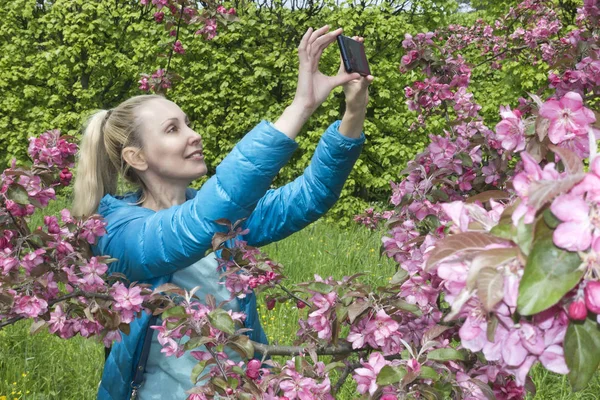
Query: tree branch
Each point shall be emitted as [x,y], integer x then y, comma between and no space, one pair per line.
[327,350]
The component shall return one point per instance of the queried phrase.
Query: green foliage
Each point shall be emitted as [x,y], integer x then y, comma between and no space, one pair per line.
[70,57]
[549,274]
[67,58]
[581,344]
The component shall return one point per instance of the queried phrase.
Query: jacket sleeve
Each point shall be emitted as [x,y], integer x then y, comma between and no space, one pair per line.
[150,244]
[290,208]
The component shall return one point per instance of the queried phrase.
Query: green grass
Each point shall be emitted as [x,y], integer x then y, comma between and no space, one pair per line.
[45,367]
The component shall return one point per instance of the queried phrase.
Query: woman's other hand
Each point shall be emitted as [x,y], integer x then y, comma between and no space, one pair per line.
[356,90]
[313,86]
[357,98]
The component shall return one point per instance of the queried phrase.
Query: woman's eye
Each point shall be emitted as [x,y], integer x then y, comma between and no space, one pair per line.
[172,129]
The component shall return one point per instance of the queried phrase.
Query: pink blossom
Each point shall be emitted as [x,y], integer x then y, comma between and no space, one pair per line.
[127,299]
[380,328]
[93,271]
[178,47]
[7,261]
[592,296]
[112,336]
[568,117]
[575,231]
[33,259]
[92,229]
[29,306]
[57,320]
[159,16]
[366,377]
[209,30]
[511,130]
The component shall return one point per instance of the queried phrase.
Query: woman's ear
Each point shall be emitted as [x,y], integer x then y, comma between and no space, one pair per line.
[135,158]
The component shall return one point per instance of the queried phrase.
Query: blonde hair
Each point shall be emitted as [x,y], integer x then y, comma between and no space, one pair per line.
[100,161]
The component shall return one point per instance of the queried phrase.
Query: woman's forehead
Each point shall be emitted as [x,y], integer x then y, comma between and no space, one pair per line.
[159,110]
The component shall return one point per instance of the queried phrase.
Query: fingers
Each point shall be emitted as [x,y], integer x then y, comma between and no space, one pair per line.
[302,48]
[342,79]
[316,34]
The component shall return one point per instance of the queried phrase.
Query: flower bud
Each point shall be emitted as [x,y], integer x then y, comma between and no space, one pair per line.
[270,304]
[253,283]
[577,310]
[389,397]
[229,391]
[253,369]
[300,304]
[592,296]
[262,279]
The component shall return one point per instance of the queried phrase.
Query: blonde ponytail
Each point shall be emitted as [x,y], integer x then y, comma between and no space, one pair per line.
[100,161]
[96,176]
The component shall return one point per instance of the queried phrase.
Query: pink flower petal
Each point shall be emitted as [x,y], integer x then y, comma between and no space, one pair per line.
[572,101]
[551,109]
[573,236]
[569,207]
[553,359]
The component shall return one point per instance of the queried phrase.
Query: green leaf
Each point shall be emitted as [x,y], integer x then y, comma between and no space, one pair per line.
[320,287]
[399,277]
[429,373]
[196,342]
[221,320]
[197,371]
[18,194]
[177,311]
[406,306]
[390,375]
[445,355]
[582,352]
[243,345]
[549,274]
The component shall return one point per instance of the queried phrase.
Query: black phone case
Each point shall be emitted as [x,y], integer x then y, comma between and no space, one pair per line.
[353,55]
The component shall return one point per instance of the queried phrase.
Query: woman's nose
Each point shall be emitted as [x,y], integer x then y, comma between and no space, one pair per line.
[195,139]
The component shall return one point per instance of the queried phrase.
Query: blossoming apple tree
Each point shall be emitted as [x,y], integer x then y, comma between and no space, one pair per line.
[495,232]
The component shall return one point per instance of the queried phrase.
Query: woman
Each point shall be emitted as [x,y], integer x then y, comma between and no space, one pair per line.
[161,233]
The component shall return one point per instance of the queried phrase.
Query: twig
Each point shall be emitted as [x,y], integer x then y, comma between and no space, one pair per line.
[176,37]
[218,363]
[340,382]
[293,295]
[502,52]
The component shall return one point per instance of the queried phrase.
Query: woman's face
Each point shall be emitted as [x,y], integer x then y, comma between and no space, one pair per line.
[171,149]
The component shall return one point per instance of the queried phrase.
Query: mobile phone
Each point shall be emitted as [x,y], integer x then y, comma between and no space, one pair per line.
[353,55]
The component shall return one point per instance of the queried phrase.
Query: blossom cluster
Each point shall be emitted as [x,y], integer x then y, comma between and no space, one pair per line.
[245,268]
[46,274]
[371,218]
[488,289]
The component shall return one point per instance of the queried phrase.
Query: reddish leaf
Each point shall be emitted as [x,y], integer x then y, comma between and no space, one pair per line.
[460,242]
[570,160]
[544,191]
[488,258]
[356,309]
[489,195]
[490,287]
[433,332]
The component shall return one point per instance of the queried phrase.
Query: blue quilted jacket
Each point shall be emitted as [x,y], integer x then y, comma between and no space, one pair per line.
[150,246]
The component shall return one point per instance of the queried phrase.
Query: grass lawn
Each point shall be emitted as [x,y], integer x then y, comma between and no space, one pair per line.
[45,367]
